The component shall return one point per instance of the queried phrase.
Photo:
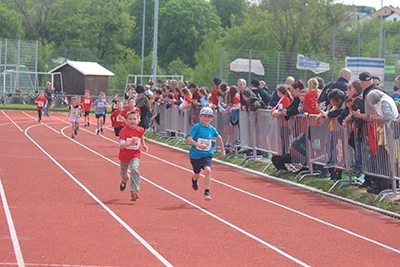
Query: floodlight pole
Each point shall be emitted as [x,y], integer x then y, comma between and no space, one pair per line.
[143,35]
[380,31]
[155,40]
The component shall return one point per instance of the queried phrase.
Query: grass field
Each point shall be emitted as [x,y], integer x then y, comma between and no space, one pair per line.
[28,107]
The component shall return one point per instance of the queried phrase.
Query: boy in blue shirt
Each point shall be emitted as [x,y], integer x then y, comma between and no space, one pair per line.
[201,152]
[100,104]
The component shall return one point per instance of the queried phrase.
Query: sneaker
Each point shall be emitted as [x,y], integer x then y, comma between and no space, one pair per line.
[84,125]
[101,130]
[97,132]
[134,195]
[38,121]
[88,124]
[75,131]
[207,195]
[72,136]
[77,128]
[195,186]
[122,186]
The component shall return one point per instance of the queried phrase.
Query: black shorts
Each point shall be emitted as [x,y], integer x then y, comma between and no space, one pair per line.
[117,130]
[199,164]
[86,113]
[98,116]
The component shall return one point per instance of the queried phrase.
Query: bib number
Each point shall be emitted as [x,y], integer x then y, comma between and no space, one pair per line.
[120,118]
[204,142]
[135,145]
[40,104]
[87,101]
[100,105]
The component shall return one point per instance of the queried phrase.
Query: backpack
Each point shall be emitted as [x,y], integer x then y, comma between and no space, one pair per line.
[255,103]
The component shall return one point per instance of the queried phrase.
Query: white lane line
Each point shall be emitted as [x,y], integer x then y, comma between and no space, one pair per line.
[16,125]
[52,265]
[197,207]
[118,219]
[54,130]
[11,227]
[272,202]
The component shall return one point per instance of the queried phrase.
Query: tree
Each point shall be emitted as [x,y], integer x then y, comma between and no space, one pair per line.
[177,67]
[228,8]
[10,23]
[36,15]
[207,59]
[183,25]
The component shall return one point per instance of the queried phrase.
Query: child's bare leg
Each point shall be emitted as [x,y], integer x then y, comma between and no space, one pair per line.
[196,176]
[207,179]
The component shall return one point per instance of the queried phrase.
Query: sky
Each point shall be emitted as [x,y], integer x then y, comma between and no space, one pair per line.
[372,3]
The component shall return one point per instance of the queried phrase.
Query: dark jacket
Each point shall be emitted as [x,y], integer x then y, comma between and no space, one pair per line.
[340,83]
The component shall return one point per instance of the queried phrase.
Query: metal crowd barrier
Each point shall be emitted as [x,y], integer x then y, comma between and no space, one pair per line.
[323,142]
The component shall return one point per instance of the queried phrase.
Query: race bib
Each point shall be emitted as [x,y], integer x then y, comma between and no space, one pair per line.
[135,145]
[100,104]
[87,101]
[120,118]
[204,142]
[75,113]
[40,104]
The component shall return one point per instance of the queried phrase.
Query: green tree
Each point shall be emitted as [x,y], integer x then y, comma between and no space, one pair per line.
[183,25]
[10,23]
[177,67]
[229,10]
[207,60]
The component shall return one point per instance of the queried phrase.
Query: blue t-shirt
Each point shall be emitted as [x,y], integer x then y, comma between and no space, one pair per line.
[100,106]
[396,98]
[202,135]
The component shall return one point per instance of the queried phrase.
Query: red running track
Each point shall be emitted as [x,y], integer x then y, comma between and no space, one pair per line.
[67,210]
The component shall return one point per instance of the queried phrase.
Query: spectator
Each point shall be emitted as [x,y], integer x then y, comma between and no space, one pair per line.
[142,102]
[214,97]
[341,83]
[396,95]
[194,90]
[263,86]
[48,95]
[275,98]
[259,92]
[311,98]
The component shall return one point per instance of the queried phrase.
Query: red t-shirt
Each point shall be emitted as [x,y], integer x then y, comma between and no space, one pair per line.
[285,101]
[236,99]
[310,103]
[188,99]
[41,102]
[117,120]
[87,103]
[125,111]
[214,97]
[125,155]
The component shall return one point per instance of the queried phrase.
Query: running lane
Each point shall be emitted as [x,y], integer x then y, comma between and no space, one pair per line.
[56,220]
[177,230]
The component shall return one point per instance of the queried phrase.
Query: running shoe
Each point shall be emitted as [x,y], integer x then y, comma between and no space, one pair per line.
[88,124]
[75,131]
[122,186]
[195,186]
[101,130]
[72,136]
[134,195]
[207,195]
[97,132]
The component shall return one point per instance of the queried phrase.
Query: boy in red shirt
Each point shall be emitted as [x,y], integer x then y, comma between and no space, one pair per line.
[117,121]
[131,138]
[130,107]
[87,102]
[41,102]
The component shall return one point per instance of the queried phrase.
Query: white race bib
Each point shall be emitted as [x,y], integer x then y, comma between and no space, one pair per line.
[75,112]
[135,145]
[120,118]
[204,142]
[100,104]
[87,101]
[40,104]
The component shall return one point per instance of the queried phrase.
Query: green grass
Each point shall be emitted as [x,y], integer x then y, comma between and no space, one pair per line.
[348,191]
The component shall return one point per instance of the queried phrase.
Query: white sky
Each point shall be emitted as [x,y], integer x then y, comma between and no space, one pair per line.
[372,3]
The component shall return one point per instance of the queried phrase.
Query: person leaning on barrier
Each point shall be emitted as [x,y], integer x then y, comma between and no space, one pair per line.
[341,83]
[293,108]
[261,93]
[252,102]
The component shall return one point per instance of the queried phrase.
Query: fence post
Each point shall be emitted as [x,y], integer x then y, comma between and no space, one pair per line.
[279,68]
[5,65]
[36,65]
[221,62]
[359,40]
[390,140]
[308,144]
[249,81]
[18,63]
[333,52]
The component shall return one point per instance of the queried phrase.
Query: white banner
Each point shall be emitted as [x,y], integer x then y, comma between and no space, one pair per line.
[306,63]
[375,66]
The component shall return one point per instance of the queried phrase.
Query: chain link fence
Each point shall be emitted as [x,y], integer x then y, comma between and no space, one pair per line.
[274,66]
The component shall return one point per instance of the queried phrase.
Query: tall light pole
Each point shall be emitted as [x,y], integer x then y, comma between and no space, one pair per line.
[143,35]
[155,41]
[380,32]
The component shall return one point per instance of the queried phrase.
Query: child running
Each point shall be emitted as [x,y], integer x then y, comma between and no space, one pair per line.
[100,111]
[131,138]
[41,102]
[201,152]
[87,102]
[74,115]
[117,120]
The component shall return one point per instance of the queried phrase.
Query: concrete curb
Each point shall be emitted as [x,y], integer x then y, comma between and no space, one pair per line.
[303,187]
